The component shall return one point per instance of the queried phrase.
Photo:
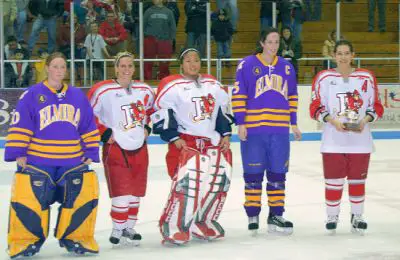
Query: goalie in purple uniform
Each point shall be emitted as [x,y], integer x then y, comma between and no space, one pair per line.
[53,138]
[264,102]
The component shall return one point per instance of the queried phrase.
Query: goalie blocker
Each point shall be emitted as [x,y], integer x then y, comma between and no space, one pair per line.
[34,190]
[198,192]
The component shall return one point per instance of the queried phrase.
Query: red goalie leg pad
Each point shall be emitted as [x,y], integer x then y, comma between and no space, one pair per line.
[184,199]
[214,195]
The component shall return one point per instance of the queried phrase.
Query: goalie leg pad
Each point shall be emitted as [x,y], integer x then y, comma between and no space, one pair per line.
[28,227]
[184,199]
[214,195]
[78,210]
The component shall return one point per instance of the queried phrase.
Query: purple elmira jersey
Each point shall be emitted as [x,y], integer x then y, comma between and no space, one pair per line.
[265,97]
[50,128]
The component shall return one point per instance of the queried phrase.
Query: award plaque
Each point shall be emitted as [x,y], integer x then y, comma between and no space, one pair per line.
[351,121]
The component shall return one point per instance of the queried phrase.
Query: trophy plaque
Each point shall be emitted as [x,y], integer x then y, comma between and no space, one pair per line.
[351,123]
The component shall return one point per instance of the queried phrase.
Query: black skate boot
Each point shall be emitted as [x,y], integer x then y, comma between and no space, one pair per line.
[253,225]
[358,224]
[331,223]
[278,224]
[115,237]
[132,235]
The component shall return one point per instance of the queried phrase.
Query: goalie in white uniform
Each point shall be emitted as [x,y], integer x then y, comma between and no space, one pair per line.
[192,116]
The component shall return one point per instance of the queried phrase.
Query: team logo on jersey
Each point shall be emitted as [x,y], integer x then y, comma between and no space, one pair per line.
[256,71]
[41,99]
[134,115]
[350,101]
[204,107]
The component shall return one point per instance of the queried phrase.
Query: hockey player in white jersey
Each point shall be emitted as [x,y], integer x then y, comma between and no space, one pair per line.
[192,116]
[345,100]
[122,106]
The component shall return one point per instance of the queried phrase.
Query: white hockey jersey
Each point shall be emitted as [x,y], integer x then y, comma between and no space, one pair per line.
[124,110]
[335,96]
[195,104]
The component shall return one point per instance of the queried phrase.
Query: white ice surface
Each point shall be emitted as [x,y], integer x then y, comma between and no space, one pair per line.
[304,206]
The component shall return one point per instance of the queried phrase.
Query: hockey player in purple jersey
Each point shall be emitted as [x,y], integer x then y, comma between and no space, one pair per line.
[53,138]
[264,102]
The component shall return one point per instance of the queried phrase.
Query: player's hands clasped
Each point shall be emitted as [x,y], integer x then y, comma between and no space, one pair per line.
[225,144]
[180,144]
[21,161]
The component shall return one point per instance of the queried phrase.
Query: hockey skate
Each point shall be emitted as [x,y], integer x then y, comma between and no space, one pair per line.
[116,236]
[253,225]
[132,235]
[358,224]
[331,224]
[75,247]
[279,225]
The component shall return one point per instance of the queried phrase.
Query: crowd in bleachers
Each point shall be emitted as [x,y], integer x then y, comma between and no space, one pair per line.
[102,28]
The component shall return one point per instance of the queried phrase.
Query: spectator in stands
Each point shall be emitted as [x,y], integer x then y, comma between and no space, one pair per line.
[95,47]
[20,21]
[114,34]
[11,46]
[328,50]
[231,7]
[382,14]
[9,15]
[135,19]
[285,12]
[298,15]
[173,6]
[46,13]
[290,47]
[196,25]
[40,66]
[17,74]
[266,14]
[222,31]
[91,14]
[313,10]
[64,41]
[159,30]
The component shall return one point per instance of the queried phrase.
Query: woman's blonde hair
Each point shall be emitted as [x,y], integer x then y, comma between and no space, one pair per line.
[121,55]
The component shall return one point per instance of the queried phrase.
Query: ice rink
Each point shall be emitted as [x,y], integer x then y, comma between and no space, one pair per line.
[305,207]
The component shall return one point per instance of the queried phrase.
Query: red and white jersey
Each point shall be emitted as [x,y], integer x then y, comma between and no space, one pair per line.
[335,96]
[195,103]
[124,110]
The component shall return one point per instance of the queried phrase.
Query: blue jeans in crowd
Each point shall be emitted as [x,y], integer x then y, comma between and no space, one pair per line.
[37,27]
[19,25]
[265,22]
[224,49]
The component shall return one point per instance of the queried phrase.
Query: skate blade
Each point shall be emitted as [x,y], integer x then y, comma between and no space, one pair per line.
[125,243]
[358,231]
[331,232]
[254,233]
[272,229]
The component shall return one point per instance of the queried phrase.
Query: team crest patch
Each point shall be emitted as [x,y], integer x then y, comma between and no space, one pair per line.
[41,99]
[37,183]
[256,71]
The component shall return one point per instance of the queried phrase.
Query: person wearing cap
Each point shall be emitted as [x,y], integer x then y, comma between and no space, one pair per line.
[192,117]
[121,106]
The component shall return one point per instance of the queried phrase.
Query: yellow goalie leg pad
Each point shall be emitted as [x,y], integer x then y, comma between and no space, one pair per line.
[28,227]
[77,214]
